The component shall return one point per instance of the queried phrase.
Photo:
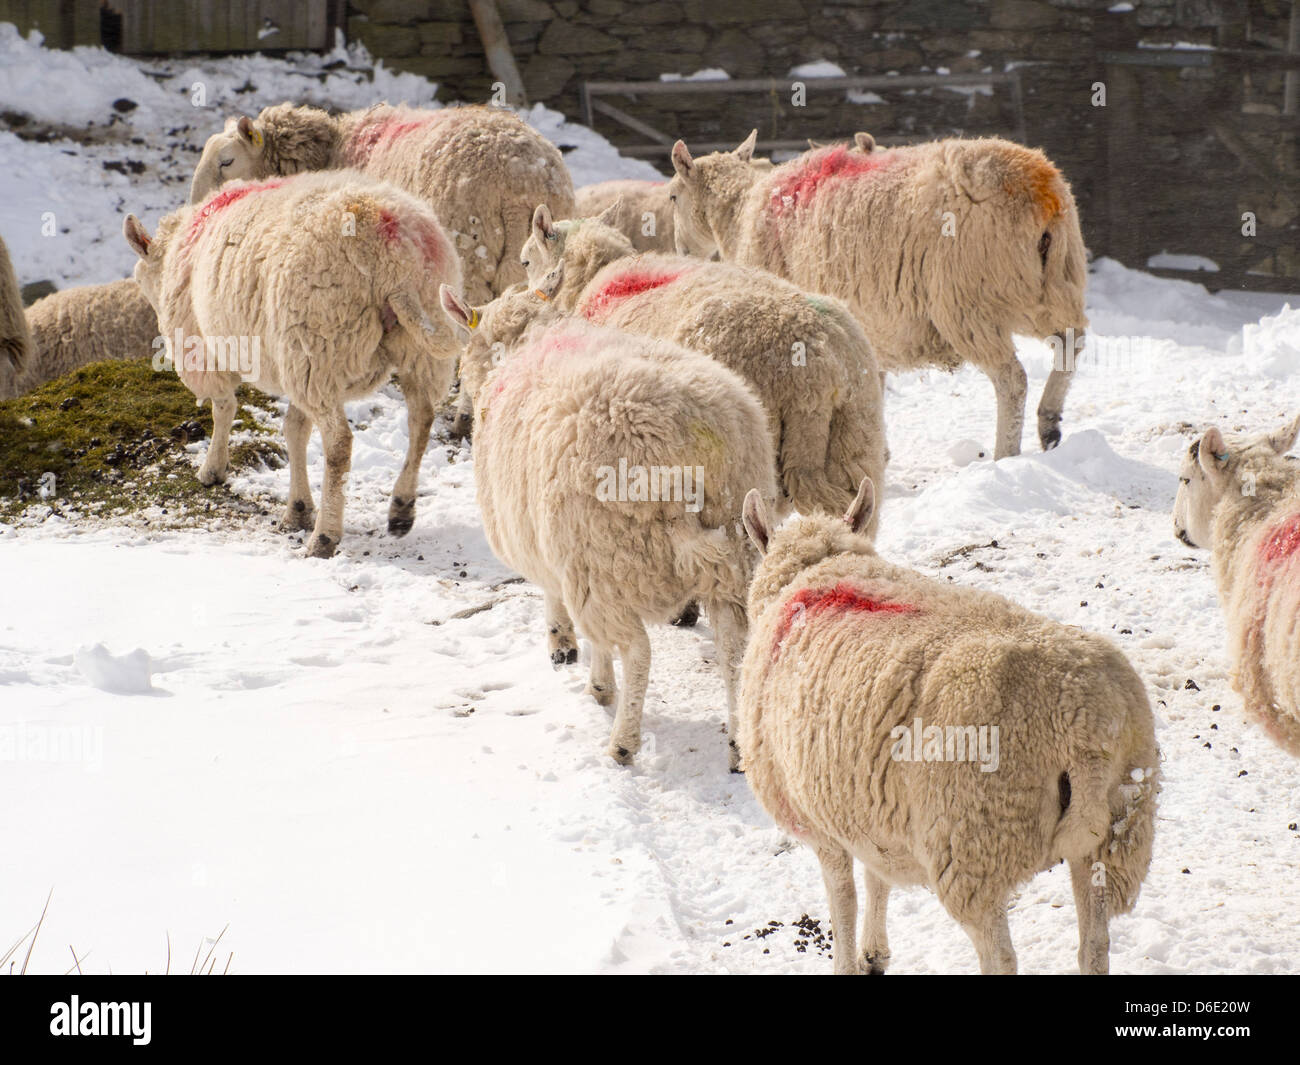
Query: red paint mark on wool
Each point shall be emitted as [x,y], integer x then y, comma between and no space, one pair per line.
[624,286]
[523,366]
[817,170]
[381,133]
[432,244]
[843,598]
[221,201]
[1282,541]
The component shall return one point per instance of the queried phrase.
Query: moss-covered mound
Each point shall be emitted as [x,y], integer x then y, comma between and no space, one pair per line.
[112,435]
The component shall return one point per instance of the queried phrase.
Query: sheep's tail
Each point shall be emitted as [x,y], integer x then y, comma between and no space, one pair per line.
[411,316]
[1110,819]
[16,345]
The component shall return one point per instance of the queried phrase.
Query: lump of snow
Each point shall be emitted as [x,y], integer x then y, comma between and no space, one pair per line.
[127,674]
[862,96]
[707,74]
[1171,261]
[1272,345]
[819,68]
[964,452]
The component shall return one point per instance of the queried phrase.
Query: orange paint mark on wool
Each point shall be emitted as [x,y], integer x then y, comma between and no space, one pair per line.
[797,185]
[1032,174]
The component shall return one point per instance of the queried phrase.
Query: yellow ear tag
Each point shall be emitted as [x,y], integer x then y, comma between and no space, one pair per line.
[473,318]
[541,295]
[256,137]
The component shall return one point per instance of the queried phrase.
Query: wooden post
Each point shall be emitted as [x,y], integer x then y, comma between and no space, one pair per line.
[501,60]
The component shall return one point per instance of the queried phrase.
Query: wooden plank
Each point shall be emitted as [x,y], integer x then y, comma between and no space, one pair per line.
[644,128]
[782,85]
[1221,282]
[496,46]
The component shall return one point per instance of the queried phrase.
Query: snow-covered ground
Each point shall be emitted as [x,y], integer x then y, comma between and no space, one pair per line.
[202,729]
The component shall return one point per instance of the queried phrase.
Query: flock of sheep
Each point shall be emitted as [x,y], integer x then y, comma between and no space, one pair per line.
[720,342]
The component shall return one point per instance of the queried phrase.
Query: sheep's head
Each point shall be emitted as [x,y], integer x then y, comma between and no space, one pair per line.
[544,246]
[705,194]
[237,152]
[601,242]
[489,333]
[148,270]
[1213,467]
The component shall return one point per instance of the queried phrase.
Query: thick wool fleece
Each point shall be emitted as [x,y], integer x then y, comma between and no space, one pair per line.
[92,323]
[942,250]
[644,216]
[481,169]
[333,272]
[15,336]
[847,650]
[568,406]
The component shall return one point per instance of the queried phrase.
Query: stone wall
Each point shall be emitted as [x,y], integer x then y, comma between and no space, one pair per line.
[1055,44]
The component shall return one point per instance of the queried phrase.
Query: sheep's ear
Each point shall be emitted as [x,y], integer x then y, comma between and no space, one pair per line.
[1284,439]
[543,225]
[864,142]
[863,506]
[754,515]
[682,161]
[976,173]
[455,308]
[610,213]
[134,231]
[1212,453]
[814,145]
[550,284]
[746,150]
[250,132]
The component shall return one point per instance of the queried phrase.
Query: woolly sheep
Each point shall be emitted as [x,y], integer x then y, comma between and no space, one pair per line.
[15,336]
[1240,499]
[943,251]
[941,736]
[565,418]
[329,273]
[78,326]
[805,356]
[642,205]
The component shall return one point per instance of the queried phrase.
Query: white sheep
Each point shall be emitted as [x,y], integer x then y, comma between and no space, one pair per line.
[323,279]
[805,356]
[90,323]
[940,735]
[15,336]
[610,471]
[1240,499]
[644,214]
[942,250]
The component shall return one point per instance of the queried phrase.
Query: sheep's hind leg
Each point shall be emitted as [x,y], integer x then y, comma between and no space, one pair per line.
[559,633]
[837,872]
[602,686]
[419,420]
[1010,384]
[992,938]
[1094,930]
[731,627]
[336,435]
[299,511]
[874,958]
[625,740]
[215,466]
[1052,403]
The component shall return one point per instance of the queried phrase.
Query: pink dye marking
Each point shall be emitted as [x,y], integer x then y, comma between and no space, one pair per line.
[818,170]
[432,245]
[1282,541]
[843,598]
[525,364]
[624,286]
[382,133]
[220,202]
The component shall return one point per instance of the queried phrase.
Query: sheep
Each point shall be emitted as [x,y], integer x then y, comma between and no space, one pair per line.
[644,214]
[943,250]
[1241,501]
[941,736]
[327,275]
[15,336]
[805,356]
[91,323]
[610,472]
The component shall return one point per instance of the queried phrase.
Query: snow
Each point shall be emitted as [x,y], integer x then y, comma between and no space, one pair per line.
[707,74]
[367,764]
[1173,261]
[820,68]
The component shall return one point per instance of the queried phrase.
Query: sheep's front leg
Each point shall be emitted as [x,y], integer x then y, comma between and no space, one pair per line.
[837,872]
[214,468]
[602,686]
[1010,384]
[299,511]
[874,959]
[419,420]
[560,637]
[336,435]
[1090,907]
[731,626]
[625,740]
[992,938]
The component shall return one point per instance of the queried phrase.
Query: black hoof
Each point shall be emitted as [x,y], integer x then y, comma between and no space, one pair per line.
[462,428]
[564,656]
[400,526]
[1050,440]
[688,617]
